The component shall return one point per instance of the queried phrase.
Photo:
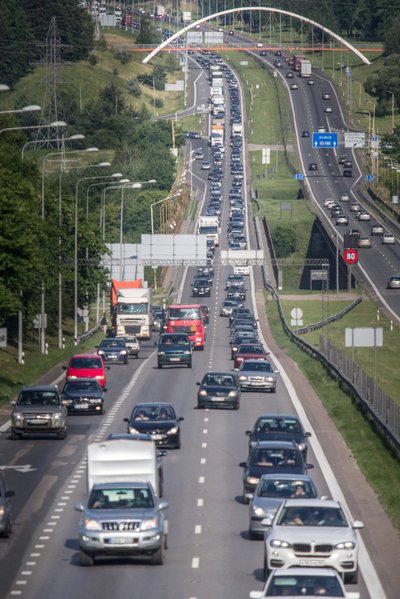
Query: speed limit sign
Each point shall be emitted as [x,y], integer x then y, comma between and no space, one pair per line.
[350,256]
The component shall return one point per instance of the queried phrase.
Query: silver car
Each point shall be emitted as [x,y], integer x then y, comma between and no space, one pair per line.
[271,490]
[122,519]
[312,533]
[39,410]
[258,375]
[308,582]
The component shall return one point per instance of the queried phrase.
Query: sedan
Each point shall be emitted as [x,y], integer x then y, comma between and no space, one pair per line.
[5,510]
[81,396]
[347,173]
[342,219]
[393,282]
[364,242]
[113,349]
[294,86]
[377,229]
[309,582]
[326,96]
[323,531]
[157,419]
[361,215]
[270,457]
[257,375]
[279,427]
[205,165]
[388,238]
[289,75]
[249,351]
[269,494]
[218,389]
[228,305]
[305,133]
[313,166]
[310,82]
[328,109]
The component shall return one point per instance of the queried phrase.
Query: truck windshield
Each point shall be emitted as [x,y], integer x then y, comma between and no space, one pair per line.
[133,308]
[188,313]
[208,229]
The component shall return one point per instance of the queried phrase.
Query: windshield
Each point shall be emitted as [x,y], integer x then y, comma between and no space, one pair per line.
[133,308]
[284,489]
[304,586]
[276,457]
[112,343]
[312,516]
[174,340]
[120,498]
[219,380]
[153,413]
[81,386]
[86,363]
[208,229]
[188,313]
[38,398]
[256,367]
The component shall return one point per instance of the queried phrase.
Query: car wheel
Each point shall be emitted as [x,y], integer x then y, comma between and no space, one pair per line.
[351,578]
[266,570]
[252,535]
[244,498]
[157,559]
[199,407]
[165,542]
[62,434]
[7,531]
[178,445]
[189,365]
[273,390]
[236,406]
[126,362]
[86,559]
[14,436]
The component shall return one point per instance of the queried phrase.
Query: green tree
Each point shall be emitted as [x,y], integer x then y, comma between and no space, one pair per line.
[285,240]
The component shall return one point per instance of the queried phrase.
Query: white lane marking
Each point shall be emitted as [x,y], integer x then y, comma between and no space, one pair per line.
[204,445]
[205,431]
[195,562]
[30,563]
[201,480]
[197,529]
[200,502]
[26,573]
[203,461]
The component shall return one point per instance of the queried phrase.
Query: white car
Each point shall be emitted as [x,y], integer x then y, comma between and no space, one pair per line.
[388,238]
[361,215]
[294,86]
[308,582]
[313,533]
[344,197]
[241,270]
[328,109]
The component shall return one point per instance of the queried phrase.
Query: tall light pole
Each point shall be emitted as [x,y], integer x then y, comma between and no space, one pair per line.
[389,92]
[54,124]
[170,197]
[29,108]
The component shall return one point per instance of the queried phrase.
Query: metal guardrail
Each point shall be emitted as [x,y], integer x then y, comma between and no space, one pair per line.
[88,334]
[374,202]
[318,325]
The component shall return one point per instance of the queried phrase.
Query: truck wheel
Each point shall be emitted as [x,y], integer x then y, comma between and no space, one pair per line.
[62,434]
[157,559]
[189,365]
[14,436]
[159,365]
[86,559]
[137,355]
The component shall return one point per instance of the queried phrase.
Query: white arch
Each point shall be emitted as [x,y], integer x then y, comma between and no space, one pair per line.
[255,8]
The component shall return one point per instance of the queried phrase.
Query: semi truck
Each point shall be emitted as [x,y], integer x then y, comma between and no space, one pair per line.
[131,313]
[305,68]
[186,17]
[209,226]
[297,58]
[122,489]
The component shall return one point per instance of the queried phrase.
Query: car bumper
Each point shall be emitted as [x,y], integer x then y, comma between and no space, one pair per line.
[258,386]
[81,408]
[217,402]
[126,543]
[174,360]
[37,429]
[341,560]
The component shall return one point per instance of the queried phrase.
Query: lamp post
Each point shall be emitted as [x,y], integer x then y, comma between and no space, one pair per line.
[26,127]
[54,124]
[389,92]
[155,204]
[29,108]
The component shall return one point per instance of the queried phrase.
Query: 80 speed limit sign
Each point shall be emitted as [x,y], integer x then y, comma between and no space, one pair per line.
[350,256]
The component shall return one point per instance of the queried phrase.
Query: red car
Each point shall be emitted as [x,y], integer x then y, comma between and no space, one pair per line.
[86,366]
[249,351]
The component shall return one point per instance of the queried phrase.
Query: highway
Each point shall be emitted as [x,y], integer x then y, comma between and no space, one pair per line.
[210,554]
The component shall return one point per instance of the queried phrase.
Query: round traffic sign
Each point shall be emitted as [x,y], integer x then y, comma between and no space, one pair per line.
[350,256]
[296,313]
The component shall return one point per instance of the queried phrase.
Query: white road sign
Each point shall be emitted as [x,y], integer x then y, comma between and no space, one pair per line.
[354,140]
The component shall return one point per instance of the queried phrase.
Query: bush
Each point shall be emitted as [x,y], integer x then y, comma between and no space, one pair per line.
[115,71]
[158,103]
[123,56]
[93,60]
[285,240]
[134,88]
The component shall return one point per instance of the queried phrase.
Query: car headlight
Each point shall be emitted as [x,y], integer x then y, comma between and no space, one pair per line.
[232,394]
[124,352]
[90,524]
[57,415]
[242,378]
[346,545]
[2,511]
[279,543]
[173,430]
[100,352]
[72,376]
[17,417]
[203,393]
[252,480]
[95,400]
[259,512]
[132,431]
[161,353]
[301,446]
[270,379]
[149,524]
[100,376]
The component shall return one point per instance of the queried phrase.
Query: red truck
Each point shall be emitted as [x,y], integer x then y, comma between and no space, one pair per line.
[187,318]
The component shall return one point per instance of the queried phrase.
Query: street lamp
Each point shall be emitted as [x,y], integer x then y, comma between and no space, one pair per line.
[25,127]
[30,108]
[4,87]
[155,204]
[54,124]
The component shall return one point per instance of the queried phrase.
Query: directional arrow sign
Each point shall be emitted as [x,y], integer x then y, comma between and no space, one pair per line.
[19,468]
[299,176]
[325,140]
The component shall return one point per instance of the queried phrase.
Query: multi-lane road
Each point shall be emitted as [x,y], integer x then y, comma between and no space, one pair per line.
[210,554]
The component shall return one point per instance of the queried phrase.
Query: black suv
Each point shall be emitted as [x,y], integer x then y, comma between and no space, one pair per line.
[174,349]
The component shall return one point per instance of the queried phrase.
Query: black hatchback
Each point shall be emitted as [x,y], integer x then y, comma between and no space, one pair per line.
[279,427]
[219,389]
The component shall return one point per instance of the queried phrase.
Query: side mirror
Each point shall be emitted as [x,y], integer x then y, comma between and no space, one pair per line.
[64,367]
[107,367]
[357,524]
[198,383]
[126,420]
[266,522]
[180,419]
[248,496]
[309,466]
[163,505]
[243,464]
[105,389]
[79,507]
[13,402]
[248,433]
[307,434]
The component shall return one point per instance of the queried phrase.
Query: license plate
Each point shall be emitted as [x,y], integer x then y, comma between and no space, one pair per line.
[113,356]
[312,562]
[156,437]
[217,398]
[37,422]
[120,541]
[81,406]
[174,359]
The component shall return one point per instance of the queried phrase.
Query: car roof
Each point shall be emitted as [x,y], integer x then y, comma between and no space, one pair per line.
[85,356]
[280,416]
[40,388]
[324,503]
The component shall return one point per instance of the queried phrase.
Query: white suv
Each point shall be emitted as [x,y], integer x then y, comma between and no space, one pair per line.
[314,533]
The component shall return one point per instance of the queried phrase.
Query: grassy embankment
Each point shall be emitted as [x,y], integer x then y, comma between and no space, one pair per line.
[379,466]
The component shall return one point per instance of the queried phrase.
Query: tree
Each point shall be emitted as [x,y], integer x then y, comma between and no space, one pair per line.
[148,33]
[285,240]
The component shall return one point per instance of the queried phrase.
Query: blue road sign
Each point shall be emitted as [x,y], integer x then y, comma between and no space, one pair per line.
[299,176]
[370,177]
[325,140]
